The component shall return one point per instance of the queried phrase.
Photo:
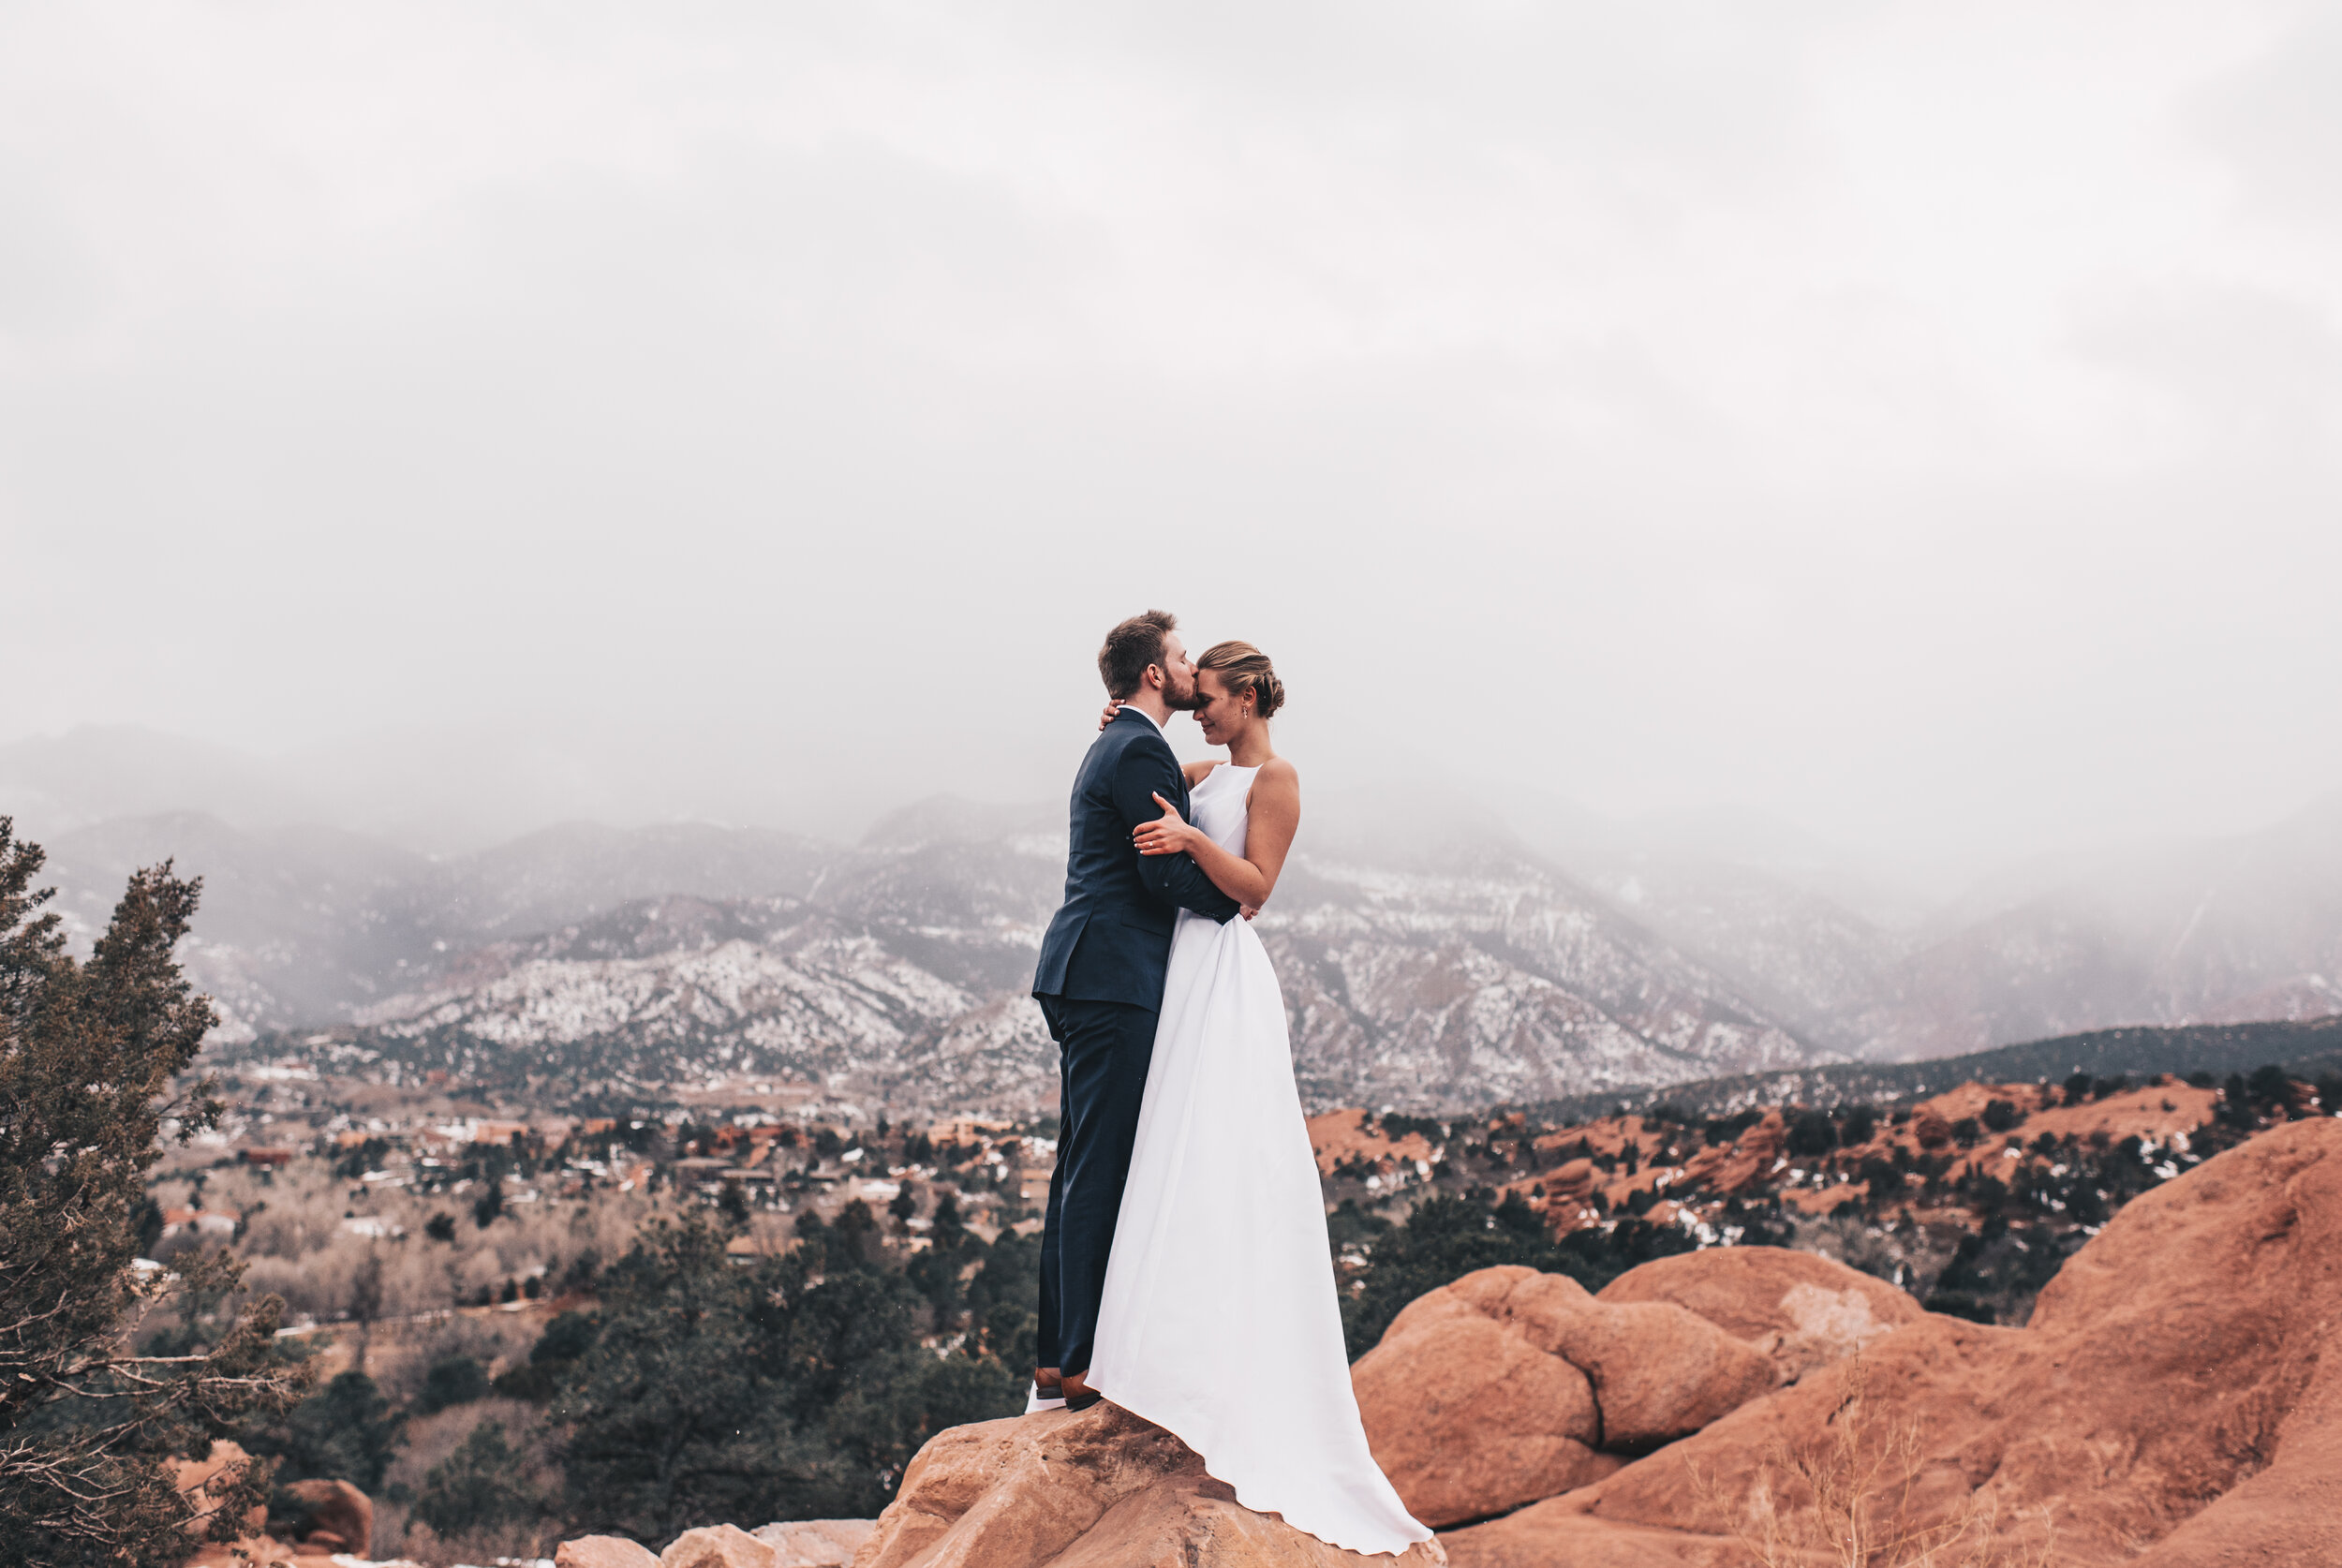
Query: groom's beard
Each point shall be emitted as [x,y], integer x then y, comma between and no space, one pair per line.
[1189,701]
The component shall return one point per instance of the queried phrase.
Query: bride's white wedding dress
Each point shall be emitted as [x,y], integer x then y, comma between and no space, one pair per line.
[1220,1322]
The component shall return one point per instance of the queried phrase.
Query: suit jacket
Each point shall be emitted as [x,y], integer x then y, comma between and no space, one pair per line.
[1111,938]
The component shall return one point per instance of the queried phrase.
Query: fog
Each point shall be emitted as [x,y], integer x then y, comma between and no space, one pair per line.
[1905,425]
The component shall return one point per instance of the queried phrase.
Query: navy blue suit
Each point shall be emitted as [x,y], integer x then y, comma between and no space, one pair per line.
[1100,986]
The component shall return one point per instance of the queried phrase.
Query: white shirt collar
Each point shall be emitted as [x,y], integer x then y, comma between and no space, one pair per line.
[1143,714]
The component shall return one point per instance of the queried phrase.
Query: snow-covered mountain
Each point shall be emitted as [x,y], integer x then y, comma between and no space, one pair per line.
[902,973]
[1494,981]
[304,926]
[583,959]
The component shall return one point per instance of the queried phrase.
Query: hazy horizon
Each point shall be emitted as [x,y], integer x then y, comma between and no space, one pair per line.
[1358,815]
[1915,428]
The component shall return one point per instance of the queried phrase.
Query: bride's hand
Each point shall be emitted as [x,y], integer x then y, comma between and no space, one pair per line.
[1166,834]
[1113,706]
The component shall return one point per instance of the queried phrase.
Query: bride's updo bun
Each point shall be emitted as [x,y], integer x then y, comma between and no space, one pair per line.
[1243,668]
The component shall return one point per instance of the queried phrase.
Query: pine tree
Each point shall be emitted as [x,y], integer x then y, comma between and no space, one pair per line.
[794,1389]
[89,1053]
[345,1432]
[482,1487]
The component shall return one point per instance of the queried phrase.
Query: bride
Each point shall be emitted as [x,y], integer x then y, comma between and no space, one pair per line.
[1218,1322]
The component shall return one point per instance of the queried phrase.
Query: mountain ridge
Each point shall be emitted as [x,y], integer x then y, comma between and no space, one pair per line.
[2306,1048]
[1449,963]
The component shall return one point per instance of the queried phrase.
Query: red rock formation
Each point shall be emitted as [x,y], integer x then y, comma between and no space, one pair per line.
[1569,1184]
[2175,1403]
[815,1543]
[1466,1416]
[791,1544]
[1097,1490]
[1564,1193]
[1502,1387]
[336,1517]
[1337,1136]
[603,1551]
[717,1547]
[2157,1111]
[1752,1157]
[1801,1310]
[1659,1372]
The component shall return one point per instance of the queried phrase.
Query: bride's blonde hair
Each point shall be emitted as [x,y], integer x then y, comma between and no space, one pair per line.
[1243,668]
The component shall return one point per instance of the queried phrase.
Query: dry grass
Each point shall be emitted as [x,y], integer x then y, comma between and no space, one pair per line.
[1853,1498]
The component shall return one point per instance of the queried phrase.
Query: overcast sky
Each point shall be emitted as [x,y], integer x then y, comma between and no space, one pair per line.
[1915,421]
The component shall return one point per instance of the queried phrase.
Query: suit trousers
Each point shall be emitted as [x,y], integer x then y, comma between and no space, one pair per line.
[1104,1049]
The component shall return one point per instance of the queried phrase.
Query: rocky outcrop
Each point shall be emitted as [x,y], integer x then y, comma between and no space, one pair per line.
[2177,1402]
[1467,1417]
[791,1544]
[1745,1164]
[603,1551]
[815,1543]
[716,1546]
[330,1516]
[1510,1385]
[317,1520]
[1800,1311]
[1100,1488]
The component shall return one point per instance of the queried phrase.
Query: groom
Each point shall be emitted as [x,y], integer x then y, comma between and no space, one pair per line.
[1100,983]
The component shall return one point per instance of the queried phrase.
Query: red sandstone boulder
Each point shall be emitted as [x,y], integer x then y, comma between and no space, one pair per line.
[1569,1185]
[335,1516]
[1802,1311]
[1096,1489]
[717,1547]
[1659,1372]
[1510,1385]
[2175,1403]
[1753,1156]
[206,1483]
[815,1543]
[1467,1417]
[603,1551]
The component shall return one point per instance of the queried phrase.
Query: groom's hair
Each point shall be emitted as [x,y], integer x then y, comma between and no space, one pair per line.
[1130,648]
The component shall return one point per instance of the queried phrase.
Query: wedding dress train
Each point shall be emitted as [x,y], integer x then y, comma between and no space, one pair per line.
[1220,1322]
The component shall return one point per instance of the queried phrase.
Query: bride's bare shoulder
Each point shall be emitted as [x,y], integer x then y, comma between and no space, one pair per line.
[1195,771]
[1280,773]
